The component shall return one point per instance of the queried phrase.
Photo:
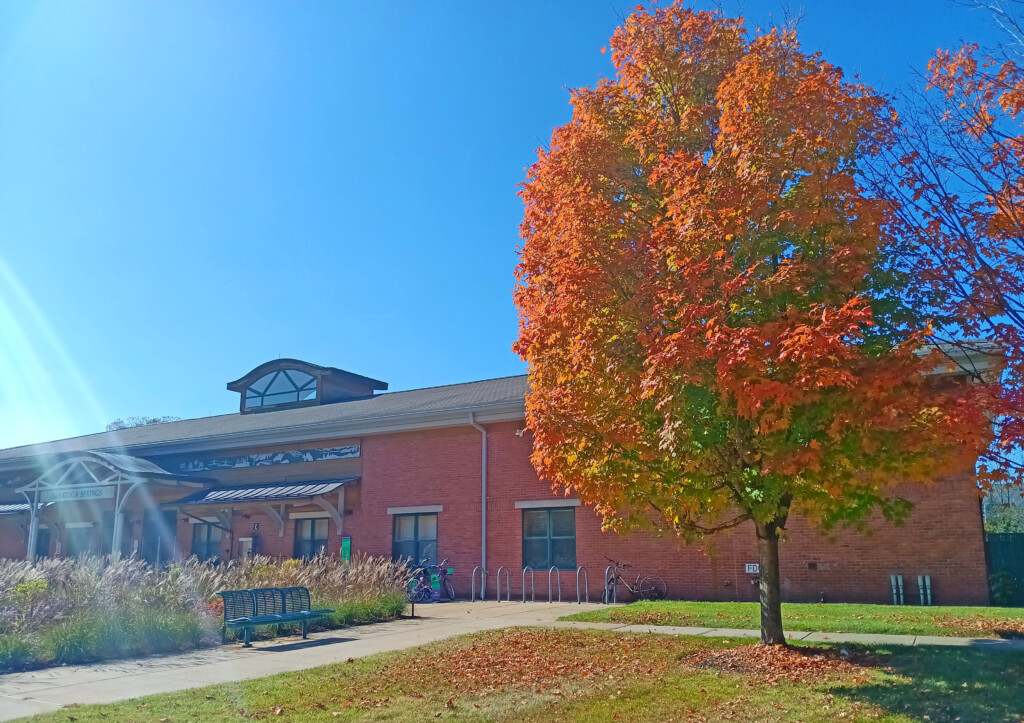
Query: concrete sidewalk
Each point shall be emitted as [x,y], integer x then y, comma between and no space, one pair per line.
[39,691]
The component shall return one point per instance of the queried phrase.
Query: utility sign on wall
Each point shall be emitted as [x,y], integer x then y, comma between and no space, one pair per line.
[753,568]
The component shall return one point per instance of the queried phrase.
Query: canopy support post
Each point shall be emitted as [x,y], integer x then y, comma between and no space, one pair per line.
[33,525]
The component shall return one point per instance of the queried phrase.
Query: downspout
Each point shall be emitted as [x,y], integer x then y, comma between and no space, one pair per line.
[483,491]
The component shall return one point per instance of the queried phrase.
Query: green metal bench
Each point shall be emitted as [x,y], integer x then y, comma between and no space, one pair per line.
[247,609]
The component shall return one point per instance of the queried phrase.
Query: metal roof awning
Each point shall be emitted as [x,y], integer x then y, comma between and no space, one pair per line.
[264,493]
[14,508]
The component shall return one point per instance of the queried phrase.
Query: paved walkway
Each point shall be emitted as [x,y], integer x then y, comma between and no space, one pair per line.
[39,691]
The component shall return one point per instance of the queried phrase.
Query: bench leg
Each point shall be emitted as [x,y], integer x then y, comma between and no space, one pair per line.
[247,644]
[223,634]
[305,629]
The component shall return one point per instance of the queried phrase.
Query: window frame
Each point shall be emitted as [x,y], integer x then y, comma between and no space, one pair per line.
[416,537]
[250,393]
[549,537]
[312,544]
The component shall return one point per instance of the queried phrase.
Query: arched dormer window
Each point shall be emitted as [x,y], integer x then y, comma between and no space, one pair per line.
[287,383]
[285,386]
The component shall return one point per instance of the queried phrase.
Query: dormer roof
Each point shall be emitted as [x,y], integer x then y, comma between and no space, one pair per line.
[288,383]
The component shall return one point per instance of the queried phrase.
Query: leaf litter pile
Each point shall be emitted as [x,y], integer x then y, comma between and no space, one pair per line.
[776,663]
[530,660]
[571,664]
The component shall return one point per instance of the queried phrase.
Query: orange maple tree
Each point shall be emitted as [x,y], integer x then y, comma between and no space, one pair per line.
[710,337]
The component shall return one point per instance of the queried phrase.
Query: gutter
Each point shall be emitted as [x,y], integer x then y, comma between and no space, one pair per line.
[483,493]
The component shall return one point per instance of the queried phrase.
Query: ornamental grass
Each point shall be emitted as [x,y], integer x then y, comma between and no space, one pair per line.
[60,611]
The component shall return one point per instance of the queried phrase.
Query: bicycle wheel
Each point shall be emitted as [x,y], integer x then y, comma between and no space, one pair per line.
[652,587]
[415,592]
[449,589]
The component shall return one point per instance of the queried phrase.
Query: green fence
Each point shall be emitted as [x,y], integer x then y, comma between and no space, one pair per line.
[1005,553]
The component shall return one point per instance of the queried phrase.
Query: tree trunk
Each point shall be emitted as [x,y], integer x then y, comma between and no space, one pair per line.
[771,598]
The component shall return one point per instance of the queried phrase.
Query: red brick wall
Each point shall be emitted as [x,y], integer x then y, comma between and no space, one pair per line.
[942,538]
[12,537]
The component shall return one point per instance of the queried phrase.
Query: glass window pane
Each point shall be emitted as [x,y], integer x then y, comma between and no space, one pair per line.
[535,554]
[563,553]
[308,393]
[403,550]
[303,528]
[428,527]
[535,523]
[280,398]
[79,540]
[43,543]
[261,384]
[427,553]
[280,384]
[320,529]
[405,527]
[299,379]
[563,523]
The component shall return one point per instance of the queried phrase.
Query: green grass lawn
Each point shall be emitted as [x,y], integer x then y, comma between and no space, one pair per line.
[970,622]
[545,675]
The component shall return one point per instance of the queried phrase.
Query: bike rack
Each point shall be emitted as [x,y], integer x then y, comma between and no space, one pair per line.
[586,583]
[609,579]
[559,578]
[508,584]
[483,584]
[533,592]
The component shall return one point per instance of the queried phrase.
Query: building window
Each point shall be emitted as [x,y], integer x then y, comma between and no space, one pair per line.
[42,542]
[311,537]
[549,538]
[79,541]
[281,387]
[159,532]
[206,541]
[415,538]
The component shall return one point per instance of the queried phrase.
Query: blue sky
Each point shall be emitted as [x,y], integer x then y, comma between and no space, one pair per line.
[189,189]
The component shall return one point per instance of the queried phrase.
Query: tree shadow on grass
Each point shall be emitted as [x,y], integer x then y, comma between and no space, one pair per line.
[945,683]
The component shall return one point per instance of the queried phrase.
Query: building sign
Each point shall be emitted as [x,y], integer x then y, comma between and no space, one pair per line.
[753,568]
[265,460]
[75,494]
[346,548]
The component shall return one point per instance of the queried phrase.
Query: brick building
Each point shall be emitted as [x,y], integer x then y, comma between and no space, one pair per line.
[318,458]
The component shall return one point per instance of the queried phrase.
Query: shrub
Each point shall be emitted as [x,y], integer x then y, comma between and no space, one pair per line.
[16,652]
[1007,590]
[72,640]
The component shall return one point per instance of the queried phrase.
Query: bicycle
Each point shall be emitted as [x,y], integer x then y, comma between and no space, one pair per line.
[645,587]
[422,582]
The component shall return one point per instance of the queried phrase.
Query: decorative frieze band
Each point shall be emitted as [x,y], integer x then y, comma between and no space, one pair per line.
[271,458]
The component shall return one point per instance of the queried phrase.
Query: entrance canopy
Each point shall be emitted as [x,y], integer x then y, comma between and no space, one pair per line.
[83,470]
[84,476]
